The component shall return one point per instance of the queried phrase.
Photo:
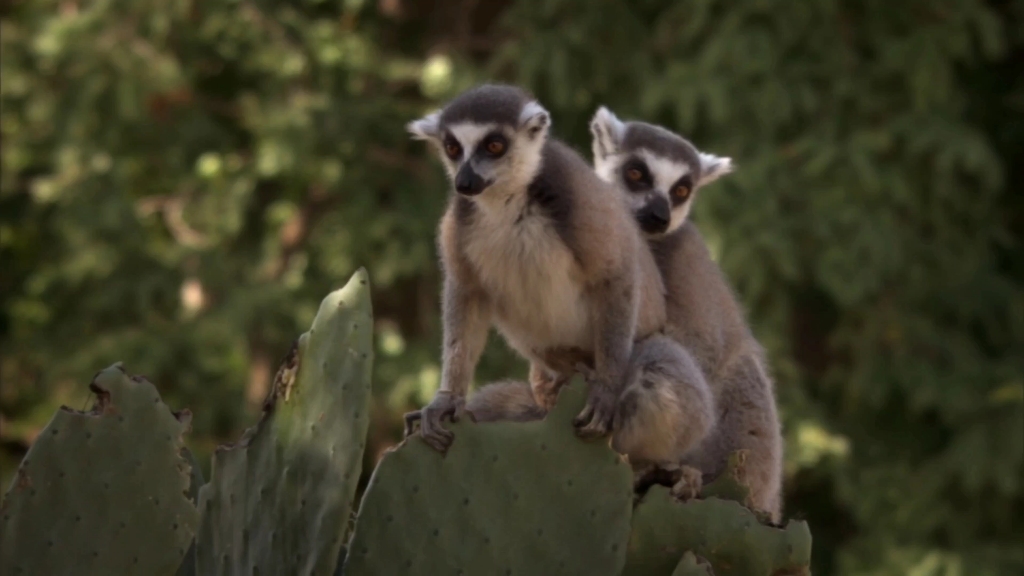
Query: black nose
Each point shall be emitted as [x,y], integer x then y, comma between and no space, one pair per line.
[469,182]
[654,217]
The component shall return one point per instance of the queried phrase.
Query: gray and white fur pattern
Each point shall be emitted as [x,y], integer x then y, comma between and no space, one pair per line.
[670,169]
[660,174]
[535,244]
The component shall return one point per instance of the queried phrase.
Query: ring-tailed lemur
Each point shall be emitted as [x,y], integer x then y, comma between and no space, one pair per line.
[661,174]
[535,243]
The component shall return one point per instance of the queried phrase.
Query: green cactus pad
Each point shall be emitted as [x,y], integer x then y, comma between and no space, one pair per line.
[102,492]
[724,532]
[515,499]
[278,501]
[691,566]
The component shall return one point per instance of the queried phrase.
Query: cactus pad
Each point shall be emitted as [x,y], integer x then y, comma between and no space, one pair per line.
[724,532]
[278,501]
[102,492]
[690,565]
[507,498]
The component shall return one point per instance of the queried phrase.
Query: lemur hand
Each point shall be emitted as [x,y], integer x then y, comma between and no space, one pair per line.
[596,418]
[430,417]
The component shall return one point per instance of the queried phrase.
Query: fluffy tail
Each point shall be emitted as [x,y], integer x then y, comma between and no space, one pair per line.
[505,400]
[667,408]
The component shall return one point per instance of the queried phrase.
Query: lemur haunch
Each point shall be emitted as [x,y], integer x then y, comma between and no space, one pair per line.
[661,174]
[535,243]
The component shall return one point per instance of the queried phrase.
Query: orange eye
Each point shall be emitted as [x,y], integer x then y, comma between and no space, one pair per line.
[634,174]
[495,147]
[452,149]
[681,191]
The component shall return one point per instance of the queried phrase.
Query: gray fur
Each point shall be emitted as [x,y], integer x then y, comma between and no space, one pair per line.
[523,252]
[497,103]
[706,319]
[670,158]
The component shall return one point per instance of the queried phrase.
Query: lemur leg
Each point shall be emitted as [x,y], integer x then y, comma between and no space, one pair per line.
[466,320]
[545,385]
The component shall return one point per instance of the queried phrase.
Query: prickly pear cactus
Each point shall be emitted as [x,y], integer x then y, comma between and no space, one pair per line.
[102,492]
[515,499]
[691,566]
[278,501]
[724,532]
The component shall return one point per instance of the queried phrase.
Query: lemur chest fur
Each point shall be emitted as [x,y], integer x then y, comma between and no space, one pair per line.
[531,277]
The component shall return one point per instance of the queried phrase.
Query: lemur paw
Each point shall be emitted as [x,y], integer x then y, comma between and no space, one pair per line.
[430,417]
[689,484]
[597,416]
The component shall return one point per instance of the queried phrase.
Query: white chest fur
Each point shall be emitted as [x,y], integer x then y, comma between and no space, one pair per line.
[531,278]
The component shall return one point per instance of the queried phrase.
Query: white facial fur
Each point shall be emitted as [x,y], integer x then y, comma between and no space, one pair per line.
[509,173]
[522,262]
[608,133]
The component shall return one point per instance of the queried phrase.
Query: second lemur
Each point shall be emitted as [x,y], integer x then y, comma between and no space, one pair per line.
[661,174]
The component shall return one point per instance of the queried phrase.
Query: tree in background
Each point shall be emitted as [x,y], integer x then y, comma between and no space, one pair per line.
[183,181]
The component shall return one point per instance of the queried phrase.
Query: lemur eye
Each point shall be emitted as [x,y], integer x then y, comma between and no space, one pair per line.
[452,149]
[681,191]
[495,146]
[634,174]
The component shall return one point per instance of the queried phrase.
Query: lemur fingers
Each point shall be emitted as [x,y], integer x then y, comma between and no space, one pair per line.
[598,414]
[689,484]
[444,405]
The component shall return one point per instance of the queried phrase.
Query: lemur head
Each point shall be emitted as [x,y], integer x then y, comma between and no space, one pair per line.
[490,136]
[658,169]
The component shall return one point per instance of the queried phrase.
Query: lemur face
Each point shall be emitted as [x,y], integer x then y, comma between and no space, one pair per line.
[658,170]
[490,136]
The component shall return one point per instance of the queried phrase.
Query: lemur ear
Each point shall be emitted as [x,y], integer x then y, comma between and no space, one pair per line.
[607,131]
[425,128]
[714,167]
[534,119]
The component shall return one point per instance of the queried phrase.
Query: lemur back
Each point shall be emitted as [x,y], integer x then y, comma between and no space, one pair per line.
[703,311]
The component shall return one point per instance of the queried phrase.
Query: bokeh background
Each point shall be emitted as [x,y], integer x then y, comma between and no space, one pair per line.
[184,180]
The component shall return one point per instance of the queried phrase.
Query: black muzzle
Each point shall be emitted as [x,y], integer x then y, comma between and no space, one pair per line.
[468,182]
[655,217]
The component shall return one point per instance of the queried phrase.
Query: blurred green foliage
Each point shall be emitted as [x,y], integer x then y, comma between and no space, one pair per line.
[183,182]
